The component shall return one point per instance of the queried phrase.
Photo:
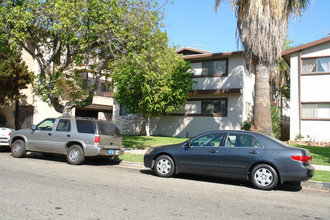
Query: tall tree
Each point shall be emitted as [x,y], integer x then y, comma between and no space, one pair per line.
[60,34]
[262,27]
[14,74]
[154,82]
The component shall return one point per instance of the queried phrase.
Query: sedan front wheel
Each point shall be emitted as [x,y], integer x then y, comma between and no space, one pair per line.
[164,166]
[264,177]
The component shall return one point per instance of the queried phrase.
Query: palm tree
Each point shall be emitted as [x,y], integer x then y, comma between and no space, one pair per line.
[262,27]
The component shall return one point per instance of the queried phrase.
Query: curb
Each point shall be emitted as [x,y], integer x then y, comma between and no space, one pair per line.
[305,184]
[316,184]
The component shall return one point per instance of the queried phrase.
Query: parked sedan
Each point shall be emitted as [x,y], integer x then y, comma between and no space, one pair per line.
[263,160]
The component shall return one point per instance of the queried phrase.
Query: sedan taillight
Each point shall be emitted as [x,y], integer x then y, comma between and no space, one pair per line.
[97,139]
[305,159]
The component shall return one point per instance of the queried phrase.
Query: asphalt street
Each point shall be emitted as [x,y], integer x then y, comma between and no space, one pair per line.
[49,188]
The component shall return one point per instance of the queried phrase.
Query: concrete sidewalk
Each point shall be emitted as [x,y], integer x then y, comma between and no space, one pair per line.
[321,167]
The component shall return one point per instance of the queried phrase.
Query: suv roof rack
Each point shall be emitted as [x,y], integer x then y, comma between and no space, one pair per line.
[78,117]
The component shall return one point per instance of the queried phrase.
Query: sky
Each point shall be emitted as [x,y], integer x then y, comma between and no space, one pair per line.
[194,23]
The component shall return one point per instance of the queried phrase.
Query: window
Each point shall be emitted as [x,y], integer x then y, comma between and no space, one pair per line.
[315,65]
[104,88]
[208,140]
[108,128]
[242,140]
[46,125]
[214,107]
[84,126]
[63,125]
[214,67]
[317,110]
[122,110]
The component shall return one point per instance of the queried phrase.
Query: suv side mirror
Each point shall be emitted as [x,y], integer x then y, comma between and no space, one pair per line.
[34,127]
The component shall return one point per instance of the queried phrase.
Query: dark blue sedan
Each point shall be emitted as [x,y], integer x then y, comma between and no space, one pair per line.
[263,160]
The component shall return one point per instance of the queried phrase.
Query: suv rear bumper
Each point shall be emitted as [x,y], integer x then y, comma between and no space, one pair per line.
[94,152]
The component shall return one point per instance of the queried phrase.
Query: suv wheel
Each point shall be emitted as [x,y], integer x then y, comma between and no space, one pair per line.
[18,148]
[75,155]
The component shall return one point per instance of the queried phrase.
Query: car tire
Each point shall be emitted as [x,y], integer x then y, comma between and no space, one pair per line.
[18,149]
[75,155]
[164,166]
[264,177]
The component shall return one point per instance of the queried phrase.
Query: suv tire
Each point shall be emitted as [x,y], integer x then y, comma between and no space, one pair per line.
[18,149]
[75,155]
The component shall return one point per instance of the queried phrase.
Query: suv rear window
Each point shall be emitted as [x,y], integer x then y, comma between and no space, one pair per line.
[85,126]
[108,128]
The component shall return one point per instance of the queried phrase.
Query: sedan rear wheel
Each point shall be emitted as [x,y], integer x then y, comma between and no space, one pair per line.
[264,177]
[164,166]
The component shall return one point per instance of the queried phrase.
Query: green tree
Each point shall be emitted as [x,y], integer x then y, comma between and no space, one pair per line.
[14,74]
[60,34]
[262,27]
[154,82]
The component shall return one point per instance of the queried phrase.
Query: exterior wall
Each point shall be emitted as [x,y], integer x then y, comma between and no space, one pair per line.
[248,94]
[233,80]
[130,124]
[294,99]
[313,88]
[183,126]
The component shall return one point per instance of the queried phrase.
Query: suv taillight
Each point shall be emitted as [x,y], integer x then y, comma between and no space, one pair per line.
[97,139]
[305,159]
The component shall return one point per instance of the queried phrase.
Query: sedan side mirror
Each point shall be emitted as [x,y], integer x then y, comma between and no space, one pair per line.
[189,144]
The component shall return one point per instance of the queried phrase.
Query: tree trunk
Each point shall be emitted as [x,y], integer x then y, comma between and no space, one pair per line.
[148,127]
[262,121]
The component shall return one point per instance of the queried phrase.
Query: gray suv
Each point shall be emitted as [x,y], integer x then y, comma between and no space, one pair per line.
[75,137]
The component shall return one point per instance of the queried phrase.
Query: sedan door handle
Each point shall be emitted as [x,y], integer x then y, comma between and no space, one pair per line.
[213,151]
[254,152]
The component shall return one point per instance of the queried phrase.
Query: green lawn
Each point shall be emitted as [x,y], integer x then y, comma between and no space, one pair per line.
[320,175]
[321,155]
[132,157]
[145,142]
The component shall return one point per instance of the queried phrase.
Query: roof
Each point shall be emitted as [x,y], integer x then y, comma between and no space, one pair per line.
[211,56]
[189,51]
[286,54]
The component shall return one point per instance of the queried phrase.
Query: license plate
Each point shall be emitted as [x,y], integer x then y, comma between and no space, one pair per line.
[111,152]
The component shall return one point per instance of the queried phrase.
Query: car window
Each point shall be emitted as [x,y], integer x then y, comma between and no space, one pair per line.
[45,125]
[63,125]
[108,128]
[213,139]
[85,126]
[242,140]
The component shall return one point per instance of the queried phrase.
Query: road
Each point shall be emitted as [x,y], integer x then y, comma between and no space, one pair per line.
[39,188]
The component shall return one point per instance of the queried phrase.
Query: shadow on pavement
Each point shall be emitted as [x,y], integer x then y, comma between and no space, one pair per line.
[4,149]
[292,187]
[91,161]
